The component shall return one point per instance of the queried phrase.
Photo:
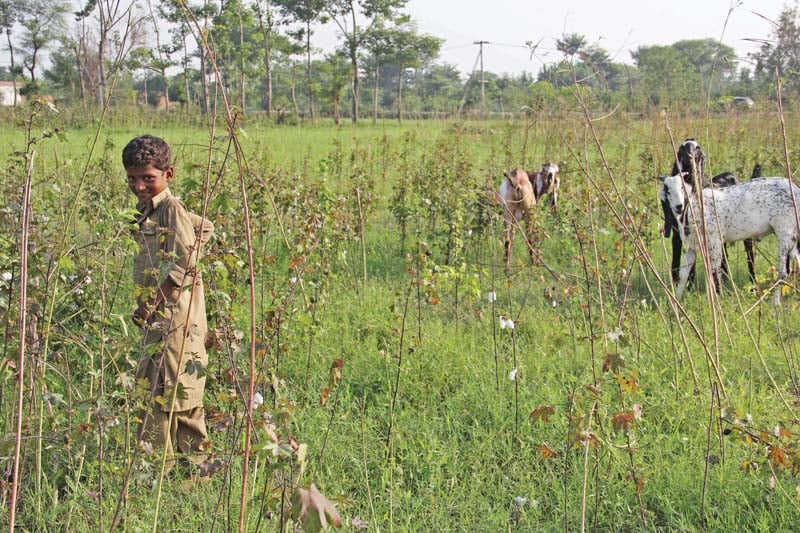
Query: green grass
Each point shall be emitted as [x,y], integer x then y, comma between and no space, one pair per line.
[462,445]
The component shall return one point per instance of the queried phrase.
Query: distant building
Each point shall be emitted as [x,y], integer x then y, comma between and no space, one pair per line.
[7,90]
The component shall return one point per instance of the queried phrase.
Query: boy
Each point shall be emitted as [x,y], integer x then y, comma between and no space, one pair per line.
[171,304]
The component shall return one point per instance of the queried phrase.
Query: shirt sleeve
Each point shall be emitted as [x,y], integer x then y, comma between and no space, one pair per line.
[181,242]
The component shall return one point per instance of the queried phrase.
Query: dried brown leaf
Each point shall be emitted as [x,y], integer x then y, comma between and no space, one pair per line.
[313,510]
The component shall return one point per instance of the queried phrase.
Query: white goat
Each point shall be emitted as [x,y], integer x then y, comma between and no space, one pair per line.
[745,211]
[518,198]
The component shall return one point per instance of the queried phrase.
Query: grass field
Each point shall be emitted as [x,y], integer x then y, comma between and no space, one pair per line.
[379,347]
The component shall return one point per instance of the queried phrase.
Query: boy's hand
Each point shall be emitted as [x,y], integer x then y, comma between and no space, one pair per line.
[141,315]
[145,310]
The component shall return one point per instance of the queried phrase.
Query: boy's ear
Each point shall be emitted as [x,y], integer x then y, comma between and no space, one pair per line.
[170,172]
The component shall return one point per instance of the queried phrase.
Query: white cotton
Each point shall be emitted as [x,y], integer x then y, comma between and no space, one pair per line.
[293,280]
[614,335]
[5,276]
[506,323]
[257,399]
[492,297]
[520,501]
[512,376]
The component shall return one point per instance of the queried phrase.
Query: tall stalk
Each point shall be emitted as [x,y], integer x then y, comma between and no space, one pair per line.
[23,304]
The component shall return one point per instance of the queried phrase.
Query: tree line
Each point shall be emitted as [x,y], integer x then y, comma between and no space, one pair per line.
[261,53]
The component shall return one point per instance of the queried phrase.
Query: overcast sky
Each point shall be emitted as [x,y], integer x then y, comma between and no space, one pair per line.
[618,26]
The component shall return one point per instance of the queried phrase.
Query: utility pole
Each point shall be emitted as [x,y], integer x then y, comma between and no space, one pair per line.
[483,81]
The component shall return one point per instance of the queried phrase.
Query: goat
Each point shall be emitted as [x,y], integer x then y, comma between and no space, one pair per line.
[518,199]
[745,211]
[547,180]
[691,161]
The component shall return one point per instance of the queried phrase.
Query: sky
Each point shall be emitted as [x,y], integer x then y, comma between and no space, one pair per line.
[618,26]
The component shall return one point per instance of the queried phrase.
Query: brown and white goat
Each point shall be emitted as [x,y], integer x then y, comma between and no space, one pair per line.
[545,181]
[518,199]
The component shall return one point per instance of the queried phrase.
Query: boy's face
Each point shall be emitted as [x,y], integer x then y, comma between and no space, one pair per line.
[147,182]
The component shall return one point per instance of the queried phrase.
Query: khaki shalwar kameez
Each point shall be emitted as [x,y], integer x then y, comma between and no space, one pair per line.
[168,238]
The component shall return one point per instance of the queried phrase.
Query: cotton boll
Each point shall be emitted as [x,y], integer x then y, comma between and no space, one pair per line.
[257,399]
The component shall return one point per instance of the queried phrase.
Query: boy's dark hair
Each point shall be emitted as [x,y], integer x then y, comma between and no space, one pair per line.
[147,150]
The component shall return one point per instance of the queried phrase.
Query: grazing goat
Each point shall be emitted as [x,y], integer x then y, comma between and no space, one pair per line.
[547,180]
[518,198]
[691,162]
[745,211]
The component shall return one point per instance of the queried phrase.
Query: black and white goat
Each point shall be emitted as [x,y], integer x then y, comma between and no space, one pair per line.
[691,163]
[547,180]
[748,210]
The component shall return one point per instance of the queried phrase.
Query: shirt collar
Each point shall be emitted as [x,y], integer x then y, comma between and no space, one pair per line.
[153,203]
[157,199]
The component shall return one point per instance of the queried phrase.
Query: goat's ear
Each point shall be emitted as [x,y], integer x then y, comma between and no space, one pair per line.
[661,178]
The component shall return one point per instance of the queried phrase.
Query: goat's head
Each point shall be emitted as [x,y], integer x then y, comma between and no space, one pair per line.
[516,178]
[691,159]
[550,174]
[673,194]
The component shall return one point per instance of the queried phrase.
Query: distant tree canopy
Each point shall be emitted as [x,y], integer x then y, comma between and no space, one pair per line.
[780,54]
[264,52]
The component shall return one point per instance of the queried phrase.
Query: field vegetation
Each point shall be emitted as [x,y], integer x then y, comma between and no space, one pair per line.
[396,366]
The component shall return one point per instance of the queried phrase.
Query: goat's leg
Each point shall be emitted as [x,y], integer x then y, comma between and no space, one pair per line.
[786,249]
[530,239]
[723,266]
[749,251]
[554,202]
[676,256]
[509,244]
[718,264]
[687,265]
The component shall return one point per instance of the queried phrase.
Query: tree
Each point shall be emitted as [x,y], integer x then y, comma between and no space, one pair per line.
[715,62]
[571,44]
[161,59]
[42,22]
[271,41]
[377,41]
[179,13]
[781,53]
[345,14]
[439,87]
[667,75]
[236,37]
[114,19]
[306,12]
[63,73]
[408,49]
[9,14]
[334,73]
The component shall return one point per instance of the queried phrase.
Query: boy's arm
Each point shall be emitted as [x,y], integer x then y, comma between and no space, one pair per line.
[182,242]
